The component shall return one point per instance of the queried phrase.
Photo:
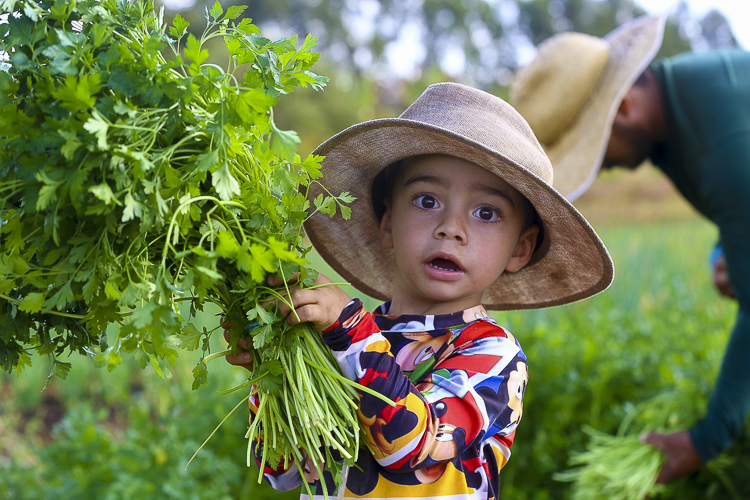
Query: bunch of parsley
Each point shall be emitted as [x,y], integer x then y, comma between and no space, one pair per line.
[137,176]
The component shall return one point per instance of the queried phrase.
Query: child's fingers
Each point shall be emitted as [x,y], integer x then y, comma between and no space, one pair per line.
[241,343]
[312,313]
[302,314]
[275,280]
[321,307]
[299,298]
[285,301]
[243,359]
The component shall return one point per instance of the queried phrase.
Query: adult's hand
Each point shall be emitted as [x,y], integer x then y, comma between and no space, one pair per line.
[721,277]
[682,459]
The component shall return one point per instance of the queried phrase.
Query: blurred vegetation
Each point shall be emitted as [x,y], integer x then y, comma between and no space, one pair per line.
[659,330]
[661,327]
[125,434]
[478,42]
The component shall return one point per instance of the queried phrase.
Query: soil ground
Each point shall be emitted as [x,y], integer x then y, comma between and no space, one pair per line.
[622,196]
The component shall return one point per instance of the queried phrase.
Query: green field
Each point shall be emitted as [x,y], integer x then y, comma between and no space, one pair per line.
[659,330]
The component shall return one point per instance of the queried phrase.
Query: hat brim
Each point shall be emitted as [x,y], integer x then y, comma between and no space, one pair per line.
[571,264]
[578,153]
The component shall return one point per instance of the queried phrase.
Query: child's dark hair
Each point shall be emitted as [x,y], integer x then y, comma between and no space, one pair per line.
[382,190]
[382,187]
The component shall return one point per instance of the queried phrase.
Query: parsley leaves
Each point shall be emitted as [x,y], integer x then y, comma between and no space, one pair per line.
[136,174]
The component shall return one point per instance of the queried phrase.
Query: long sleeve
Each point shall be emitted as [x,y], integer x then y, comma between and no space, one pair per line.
[729,405]
[473,391]
[707,156]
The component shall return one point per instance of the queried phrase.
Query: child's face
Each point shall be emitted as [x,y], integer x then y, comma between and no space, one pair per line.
[454,228]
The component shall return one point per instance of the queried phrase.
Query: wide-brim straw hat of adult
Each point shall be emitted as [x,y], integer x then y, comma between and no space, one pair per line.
[571,263]
[571,90]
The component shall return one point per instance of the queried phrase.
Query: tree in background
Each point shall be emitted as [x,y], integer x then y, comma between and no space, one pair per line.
[479,42]
[380,55]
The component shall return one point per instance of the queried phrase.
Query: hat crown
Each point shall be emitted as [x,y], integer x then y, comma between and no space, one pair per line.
[484,119]
[550,91]
[455,120]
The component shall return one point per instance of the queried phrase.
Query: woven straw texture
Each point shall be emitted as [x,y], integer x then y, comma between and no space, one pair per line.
[452,119]
[578,151]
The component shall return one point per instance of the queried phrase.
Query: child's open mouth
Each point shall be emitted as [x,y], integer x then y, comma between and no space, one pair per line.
[444,265]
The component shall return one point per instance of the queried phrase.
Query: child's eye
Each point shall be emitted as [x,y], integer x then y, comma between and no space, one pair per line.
[488,214]
[426,201]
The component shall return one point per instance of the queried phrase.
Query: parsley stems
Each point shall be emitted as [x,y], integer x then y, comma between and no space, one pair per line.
[617,467]
[309,409]
[217,355]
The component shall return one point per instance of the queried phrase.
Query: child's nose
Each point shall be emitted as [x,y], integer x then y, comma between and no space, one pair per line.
[452,226]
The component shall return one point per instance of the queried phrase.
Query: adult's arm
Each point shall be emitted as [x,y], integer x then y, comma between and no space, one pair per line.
[730,400]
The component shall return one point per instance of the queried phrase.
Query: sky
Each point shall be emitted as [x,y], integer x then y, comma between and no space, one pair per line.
[737,13]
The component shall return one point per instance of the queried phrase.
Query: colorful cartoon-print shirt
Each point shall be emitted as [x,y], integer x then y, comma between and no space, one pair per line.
[458,381]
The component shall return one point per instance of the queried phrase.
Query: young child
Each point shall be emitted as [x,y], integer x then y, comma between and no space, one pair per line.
[454,215]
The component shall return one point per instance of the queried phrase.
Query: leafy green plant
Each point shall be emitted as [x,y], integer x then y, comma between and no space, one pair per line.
[137,178]
[617,467]
[132,181]
[660,329]
[92,458]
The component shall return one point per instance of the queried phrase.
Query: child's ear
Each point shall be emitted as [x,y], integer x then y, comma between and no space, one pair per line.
[524,249]
[386,236]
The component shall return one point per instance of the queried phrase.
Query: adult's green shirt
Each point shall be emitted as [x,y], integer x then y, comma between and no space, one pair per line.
[707,157]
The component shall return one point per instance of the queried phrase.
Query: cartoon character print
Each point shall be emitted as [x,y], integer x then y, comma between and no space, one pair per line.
[465,367]
[310,472]
[517,381]
[354,319]
[476,313]
[443,440]
[422,347]
[446,446]
[446,439]
[388,426]
[377,425]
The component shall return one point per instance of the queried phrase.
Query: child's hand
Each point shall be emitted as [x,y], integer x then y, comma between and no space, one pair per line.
[321,305]
[242,358]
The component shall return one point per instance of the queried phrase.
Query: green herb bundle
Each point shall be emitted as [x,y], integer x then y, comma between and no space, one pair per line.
[138,176]
[616,467]
[620,466]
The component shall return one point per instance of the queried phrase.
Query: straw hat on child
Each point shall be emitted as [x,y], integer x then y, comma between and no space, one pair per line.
[571,263]
[571,91]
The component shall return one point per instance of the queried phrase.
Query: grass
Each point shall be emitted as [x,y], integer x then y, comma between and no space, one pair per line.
[660,328]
